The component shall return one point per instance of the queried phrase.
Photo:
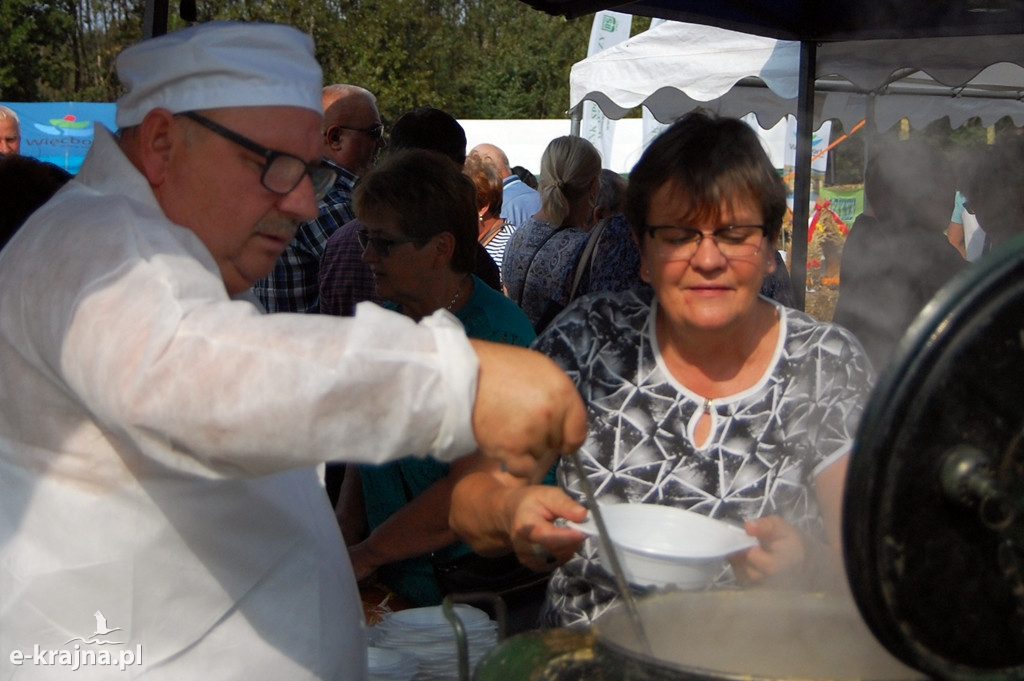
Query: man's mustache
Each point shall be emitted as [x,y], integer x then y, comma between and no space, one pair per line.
[278,227]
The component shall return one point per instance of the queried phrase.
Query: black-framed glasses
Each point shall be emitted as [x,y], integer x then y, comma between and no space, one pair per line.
[681,243]
[374,132]
[282,172]
[381,244]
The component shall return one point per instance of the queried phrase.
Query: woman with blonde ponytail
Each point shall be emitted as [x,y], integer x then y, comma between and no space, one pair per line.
[541,256]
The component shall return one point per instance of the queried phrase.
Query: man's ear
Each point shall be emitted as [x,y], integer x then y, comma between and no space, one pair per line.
[333,136]
[156,140]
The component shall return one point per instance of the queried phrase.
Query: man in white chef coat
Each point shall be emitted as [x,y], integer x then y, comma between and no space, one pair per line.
[161,515]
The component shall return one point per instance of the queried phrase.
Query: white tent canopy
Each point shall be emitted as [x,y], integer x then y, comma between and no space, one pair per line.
[676,67]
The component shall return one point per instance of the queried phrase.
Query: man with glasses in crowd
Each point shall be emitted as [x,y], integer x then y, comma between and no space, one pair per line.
[352,136]
[160,435]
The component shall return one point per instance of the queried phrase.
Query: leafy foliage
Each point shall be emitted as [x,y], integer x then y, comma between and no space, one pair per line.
[473,58]
[36,41]
[490,59]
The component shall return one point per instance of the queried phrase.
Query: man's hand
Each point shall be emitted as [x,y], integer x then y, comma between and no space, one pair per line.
[526,408]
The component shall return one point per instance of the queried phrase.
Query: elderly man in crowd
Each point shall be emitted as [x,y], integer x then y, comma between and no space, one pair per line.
[10,132]
[159,436]
[352,136]
[518,201]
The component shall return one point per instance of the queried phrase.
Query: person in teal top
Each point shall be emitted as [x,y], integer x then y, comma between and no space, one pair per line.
[420,242]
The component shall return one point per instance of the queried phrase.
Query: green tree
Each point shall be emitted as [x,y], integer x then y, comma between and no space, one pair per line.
[401,50]
[35,55]
[520,61]
[474,58]
[104,28]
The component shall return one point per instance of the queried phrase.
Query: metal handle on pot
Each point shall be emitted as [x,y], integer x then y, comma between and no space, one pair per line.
[461,638]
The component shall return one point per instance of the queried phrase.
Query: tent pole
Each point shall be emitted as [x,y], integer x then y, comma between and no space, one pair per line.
[872,132]
[154,18]
[576,120]
[802,179]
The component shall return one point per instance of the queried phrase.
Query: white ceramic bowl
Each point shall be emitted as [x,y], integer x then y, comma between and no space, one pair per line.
[661,546]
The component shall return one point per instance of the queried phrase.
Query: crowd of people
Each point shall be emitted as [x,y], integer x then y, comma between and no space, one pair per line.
[262,352]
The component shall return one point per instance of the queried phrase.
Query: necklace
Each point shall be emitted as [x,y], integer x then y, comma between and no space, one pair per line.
[458,292]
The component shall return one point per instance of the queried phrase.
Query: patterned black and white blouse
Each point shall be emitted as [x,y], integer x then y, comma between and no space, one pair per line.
[766,445]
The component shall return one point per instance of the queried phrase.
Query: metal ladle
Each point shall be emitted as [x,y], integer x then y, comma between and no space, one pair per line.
[613,558]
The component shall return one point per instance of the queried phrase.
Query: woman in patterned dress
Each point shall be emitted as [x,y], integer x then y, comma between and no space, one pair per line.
[702,394]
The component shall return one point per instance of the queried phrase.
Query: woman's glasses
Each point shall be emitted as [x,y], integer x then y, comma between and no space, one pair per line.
[382,245]
[681,243]
[281,172]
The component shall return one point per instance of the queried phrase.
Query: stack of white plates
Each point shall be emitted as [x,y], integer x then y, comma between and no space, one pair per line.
[428,635]
[388,664]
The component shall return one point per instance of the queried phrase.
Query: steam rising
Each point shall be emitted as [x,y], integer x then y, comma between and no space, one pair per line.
[897,257]
[768,634]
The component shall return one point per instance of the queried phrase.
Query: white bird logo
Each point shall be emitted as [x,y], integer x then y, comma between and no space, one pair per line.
[101,630]
[101,625]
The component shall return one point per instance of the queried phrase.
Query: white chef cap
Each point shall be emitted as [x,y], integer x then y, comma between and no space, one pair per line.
[219,64]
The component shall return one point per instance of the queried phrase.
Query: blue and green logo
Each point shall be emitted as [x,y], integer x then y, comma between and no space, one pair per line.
[69,126]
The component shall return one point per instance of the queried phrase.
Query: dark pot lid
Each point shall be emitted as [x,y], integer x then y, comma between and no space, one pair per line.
[934,505]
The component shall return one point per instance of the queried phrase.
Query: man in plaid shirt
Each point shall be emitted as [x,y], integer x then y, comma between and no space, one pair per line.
[353,134]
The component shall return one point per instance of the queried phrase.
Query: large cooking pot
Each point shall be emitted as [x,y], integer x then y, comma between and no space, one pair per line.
[933,532]
[748,634]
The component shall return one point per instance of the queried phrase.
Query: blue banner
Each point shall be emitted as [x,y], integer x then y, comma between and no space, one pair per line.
[60,132]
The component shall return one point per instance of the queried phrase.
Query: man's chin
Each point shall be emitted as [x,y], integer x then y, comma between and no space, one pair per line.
[252,271]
